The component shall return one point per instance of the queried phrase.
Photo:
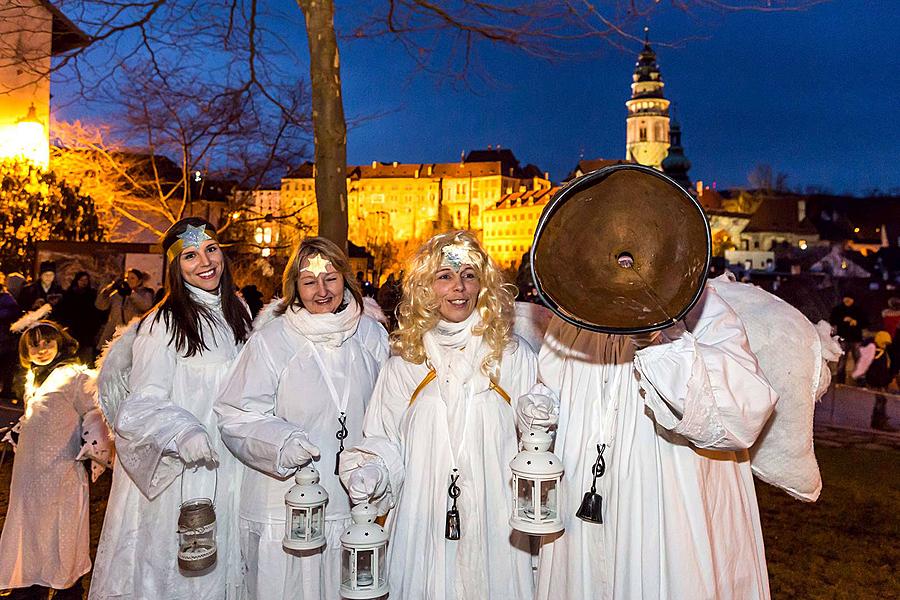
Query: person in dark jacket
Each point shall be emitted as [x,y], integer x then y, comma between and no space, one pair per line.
[76,311]
[848,321]
[45,289]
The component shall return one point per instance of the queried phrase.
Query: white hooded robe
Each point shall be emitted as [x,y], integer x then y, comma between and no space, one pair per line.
[680,519]
[46,533]
[275,390]
[456,420]
[169,394]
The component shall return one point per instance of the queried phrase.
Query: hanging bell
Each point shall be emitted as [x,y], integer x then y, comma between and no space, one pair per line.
[451,528]
[591,509]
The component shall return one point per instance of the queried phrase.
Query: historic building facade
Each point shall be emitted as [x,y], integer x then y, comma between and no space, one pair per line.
[400,202]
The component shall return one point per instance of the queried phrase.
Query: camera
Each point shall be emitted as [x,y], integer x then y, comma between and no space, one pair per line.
[122,287]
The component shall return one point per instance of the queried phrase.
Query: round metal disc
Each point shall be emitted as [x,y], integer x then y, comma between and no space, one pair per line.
[621,250]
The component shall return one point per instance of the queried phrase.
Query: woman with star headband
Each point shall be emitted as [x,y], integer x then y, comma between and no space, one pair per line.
[298,393]
[440,432]
[167,441]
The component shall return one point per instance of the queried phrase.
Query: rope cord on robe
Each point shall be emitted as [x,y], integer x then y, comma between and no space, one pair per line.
[432,374]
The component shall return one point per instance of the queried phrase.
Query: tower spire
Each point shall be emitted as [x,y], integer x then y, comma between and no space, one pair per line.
[647,139]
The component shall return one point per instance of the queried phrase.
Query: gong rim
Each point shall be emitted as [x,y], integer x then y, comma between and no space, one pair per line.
[573,188]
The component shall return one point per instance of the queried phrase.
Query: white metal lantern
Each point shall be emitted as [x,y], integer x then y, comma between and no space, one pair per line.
[304,526]
[363,546]
[536,482]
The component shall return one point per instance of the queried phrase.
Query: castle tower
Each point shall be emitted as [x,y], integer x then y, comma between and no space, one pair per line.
[647,139]
[676,165]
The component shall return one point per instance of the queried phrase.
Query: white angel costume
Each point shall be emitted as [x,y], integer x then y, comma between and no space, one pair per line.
[46,534]
[419,427]
[169,395]
[297,375]
[680,518]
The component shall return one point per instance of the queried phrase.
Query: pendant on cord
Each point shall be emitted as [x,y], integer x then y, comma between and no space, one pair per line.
[451,528]
[591,509]
[340,435]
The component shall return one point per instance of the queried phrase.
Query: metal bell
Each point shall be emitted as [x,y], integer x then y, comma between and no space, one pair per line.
[451,529]
[591,509]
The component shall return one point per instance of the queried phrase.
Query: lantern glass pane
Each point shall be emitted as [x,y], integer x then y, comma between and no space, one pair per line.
[191,542]
[347,564]
[548,499]
[298,524]
[381,553]
[525,503]
[316,521]
[365,578]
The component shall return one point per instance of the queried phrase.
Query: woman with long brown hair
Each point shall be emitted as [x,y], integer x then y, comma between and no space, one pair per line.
[297,394]
[166,437]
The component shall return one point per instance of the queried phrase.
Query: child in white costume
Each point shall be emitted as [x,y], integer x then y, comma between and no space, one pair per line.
[45,541]
[440,414]
[166,431]
[303,377]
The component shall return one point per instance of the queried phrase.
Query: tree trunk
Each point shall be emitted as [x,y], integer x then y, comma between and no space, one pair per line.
[329,126]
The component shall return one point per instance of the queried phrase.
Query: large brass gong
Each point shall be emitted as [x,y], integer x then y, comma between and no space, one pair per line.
[623,249]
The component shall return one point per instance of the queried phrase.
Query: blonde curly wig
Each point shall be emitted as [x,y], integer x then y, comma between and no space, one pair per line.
[418,311]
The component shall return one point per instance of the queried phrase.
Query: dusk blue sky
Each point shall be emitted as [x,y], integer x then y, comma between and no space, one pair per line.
[814,94]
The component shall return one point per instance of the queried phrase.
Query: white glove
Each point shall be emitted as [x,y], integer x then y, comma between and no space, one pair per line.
[194,448]
[368,482]
[536,411]
[297,451]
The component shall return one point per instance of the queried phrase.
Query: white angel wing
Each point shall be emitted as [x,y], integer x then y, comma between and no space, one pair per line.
[792,353]
[114,367]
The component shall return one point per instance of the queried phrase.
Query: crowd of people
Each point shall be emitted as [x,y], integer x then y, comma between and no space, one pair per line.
[422,423]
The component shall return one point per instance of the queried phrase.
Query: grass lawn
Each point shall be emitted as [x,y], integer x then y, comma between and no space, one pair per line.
[845,546]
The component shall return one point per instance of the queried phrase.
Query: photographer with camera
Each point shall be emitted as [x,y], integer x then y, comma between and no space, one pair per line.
[125,299]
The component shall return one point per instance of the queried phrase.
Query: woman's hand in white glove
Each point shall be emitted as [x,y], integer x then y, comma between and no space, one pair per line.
[194,448]
[297,451]
[368,482]
[536,411]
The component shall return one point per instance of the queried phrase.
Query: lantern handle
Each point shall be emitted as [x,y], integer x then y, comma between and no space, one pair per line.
[215,484]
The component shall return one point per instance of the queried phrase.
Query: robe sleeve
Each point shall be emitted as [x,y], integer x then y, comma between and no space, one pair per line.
[382,443]
[149,421]
[704,383]
[246,411]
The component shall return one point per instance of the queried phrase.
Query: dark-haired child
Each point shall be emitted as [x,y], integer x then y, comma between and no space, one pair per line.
[45,540]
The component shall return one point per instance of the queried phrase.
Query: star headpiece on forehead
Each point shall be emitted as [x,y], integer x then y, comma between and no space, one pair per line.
[457,255]
[317,265]
[194,235]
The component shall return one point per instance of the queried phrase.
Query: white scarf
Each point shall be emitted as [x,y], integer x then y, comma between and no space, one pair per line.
[328,329]
[210,299]
[456,355]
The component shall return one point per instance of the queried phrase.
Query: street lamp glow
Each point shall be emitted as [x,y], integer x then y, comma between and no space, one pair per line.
[26,141]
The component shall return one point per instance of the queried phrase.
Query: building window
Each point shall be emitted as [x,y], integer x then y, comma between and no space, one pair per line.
[642,134]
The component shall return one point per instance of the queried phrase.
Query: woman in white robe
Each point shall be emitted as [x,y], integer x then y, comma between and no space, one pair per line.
[45,541]
[440,414]
[680,519]
[166,434]
[314,363]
